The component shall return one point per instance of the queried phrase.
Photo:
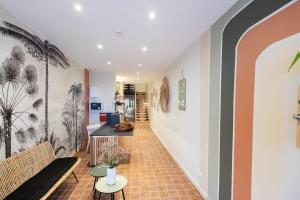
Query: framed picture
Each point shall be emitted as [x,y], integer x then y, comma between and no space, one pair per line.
[181,94]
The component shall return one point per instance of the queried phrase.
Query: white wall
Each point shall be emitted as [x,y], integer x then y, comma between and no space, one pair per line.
[276,160]
[141,87]
[185,133]
[105,82]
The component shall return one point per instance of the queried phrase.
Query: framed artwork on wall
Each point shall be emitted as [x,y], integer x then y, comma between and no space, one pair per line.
[182,94]
[164,95]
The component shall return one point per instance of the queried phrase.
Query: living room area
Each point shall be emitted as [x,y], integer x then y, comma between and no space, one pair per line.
[149,100]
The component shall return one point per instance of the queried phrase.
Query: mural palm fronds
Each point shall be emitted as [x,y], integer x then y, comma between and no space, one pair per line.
[34,44]
[71,112]
[68,123]
[20,136]
[31,132]
[15,86]
[58,149]
[295,60]
[18,54]
[76,91]
[39,141]
[54,141]
[42,51]
[33,118]
[1,136]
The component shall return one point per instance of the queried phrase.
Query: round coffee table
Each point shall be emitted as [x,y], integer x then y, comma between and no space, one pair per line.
[97,172]
[102,186]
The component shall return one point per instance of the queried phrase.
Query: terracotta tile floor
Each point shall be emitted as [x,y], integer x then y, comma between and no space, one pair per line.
[151,172]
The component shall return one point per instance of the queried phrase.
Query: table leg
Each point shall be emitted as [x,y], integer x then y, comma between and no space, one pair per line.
[94,189]
[100,195]
[123,194]
[75,176]
[112,196]
[94,183]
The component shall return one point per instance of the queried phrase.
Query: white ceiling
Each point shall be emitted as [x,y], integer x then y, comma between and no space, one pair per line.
[178,24]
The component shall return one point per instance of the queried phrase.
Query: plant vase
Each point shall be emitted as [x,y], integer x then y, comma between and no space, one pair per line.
[111,176]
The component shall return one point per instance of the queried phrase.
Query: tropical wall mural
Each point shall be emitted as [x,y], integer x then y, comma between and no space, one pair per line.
[18,83]
[40,92]
[73,116]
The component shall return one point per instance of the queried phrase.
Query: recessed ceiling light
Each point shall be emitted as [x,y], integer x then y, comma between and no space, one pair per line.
[144,49]
[152,15]
[109,62]
[100,46]
[78,7]
[138,73]
[140,65]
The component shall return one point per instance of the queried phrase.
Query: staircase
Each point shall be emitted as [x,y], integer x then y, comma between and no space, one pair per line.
[141,111]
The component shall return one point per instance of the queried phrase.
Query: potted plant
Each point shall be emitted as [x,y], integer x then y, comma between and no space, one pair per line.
[111,155]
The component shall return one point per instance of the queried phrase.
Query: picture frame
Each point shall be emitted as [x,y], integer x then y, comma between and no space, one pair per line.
[182,94]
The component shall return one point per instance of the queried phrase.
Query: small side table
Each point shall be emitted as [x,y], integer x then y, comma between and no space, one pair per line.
[97,172]
[102,186]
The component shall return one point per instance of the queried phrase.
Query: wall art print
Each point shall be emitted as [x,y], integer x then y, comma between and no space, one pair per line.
[164,95]
[181,94]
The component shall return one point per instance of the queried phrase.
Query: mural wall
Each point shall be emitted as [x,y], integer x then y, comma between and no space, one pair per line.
[215,99]
[243,37]
[37,101]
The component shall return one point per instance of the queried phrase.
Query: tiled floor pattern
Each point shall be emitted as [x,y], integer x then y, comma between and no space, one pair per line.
[151,172]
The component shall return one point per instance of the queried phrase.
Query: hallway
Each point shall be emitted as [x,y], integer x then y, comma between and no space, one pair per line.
[151,172]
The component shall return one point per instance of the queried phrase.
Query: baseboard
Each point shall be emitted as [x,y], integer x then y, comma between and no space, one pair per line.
[199,188]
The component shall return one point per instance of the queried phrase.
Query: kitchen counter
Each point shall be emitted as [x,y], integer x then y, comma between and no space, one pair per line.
[107,130]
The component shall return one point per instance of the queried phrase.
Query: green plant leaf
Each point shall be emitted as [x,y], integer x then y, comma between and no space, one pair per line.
[297,57]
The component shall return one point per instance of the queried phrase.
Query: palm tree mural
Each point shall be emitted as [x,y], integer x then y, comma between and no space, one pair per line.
[72,112]
[42,51]
[17,83]
[68,123]
[55,143]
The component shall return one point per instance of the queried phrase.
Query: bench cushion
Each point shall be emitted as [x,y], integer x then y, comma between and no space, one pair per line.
[37,186]
[18,168]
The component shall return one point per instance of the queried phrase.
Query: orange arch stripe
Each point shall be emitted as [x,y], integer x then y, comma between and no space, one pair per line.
[279,26]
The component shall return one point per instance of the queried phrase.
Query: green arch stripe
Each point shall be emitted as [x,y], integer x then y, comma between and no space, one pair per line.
[237,26]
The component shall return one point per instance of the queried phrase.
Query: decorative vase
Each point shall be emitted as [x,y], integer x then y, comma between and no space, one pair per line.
[111,176]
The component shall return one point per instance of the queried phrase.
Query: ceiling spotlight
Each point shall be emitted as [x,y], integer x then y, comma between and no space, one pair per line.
[140,65]
[78,7]
[152,15]
[109,62]
[144,49]
[100,46]
[138,73]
